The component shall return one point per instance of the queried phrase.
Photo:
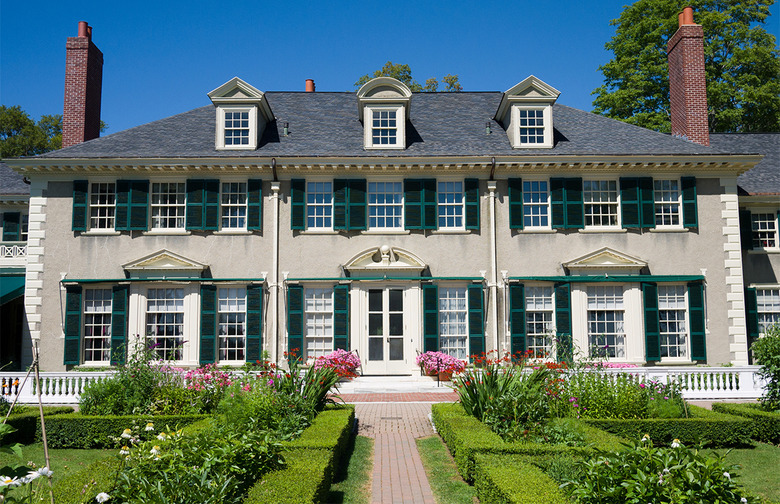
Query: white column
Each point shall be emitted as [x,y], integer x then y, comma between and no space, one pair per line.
[274,287]
[493,269]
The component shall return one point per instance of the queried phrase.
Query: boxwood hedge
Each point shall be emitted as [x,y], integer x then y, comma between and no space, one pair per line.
[766,425]
[507,479]
[28,423]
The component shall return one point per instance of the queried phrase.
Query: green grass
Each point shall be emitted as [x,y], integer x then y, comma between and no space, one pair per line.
[759,469]
[353,483]
[446,483]
[63,461]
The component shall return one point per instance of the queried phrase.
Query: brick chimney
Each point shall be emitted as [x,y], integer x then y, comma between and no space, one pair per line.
[687,80]
[83,83]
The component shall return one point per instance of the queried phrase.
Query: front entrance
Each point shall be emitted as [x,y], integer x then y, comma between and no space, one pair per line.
[389,329]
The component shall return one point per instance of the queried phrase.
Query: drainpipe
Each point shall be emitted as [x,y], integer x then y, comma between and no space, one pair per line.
[494,261]
[274,287]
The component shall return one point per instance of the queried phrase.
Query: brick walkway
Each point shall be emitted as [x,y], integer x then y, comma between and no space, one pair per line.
[394,421]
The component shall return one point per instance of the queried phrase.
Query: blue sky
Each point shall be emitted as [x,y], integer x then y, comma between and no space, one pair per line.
[162,57]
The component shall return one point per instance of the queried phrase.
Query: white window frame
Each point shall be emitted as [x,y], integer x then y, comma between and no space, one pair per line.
[453,321]
[761,307]
[109,208]
[253,129]
[773,221]
[368,128]
[231,313]
[444,205]
[309,205]
[538,302]
[97,307]
[685,333]
[179,206]
[662,203]
[399,205]
[318,321]
[24,226]
[225,206]
[547,126]
[528,205]
[616,203]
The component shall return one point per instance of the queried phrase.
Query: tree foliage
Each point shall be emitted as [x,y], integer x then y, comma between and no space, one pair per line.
[404,74]
[21,136]
[741,61]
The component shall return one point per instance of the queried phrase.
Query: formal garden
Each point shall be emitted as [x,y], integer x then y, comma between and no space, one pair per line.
[522,431]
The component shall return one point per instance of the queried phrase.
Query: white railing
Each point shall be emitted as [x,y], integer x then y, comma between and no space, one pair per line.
[56,388]
[10,250]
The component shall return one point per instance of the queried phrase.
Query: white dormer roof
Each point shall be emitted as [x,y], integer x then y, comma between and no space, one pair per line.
[605,260]
[164,263]
[384,90]
[238,92]
[529,90]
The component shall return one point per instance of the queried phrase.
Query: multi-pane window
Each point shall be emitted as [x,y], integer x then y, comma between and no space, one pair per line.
[539,321]
[318,306]
[168,205]
[453,312]
[450,204]
[764,230]
[25,226]
[319,205]
[606,333]
[531,126]
[768,307]
[97,325]
[232,323]
[384,127]
[233,205]
[666,194]
[385,205]
[601,202]
[102,204]
[237,128]
[536,203]
[165,322]
[672,317]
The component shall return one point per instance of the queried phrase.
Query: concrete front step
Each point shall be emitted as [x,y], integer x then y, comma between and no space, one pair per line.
[393,385]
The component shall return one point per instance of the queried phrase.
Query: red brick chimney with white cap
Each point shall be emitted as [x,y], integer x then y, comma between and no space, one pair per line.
[687,81]
[83,85]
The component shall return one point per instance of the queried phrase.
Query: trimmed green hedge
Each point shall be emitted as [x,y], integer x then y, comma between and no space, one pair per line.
[507,479]
[766,425]
[311,461]
[28,423]
[82,486]
[703,426]
[466,436]
[82,431]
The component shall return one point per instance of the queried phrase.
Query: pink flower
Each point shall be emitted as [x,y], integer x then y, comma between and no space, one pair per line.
[641,385]
[246,388]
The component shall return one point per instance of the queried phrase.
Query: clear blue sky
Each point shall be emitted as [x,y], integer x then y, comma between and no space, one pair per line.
[162,57]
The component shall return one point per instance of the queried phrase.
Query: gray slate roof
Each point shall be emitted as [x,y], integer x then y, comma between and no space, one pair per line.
[764,178]
[11,182]
[327,124]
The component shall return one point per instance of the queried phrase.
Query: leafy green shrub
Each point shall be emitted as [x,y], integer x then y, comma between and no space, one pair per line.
[766,351]
[766,424]
[479,387]
[522,409]
[27,422]
[330,430]
[644,473]
[507,479]
[305,479]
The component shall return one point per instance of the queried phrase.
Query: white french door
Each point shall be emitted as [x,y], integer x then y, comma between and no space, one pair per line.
[388,330]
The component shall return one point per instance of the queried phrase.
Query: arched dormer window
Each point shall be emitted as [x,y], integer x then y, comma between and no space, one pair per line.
[383,105]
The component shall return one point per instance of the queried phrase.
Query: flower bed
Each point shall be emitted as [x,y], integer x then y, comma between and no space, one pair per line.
[434,363]
[344,363]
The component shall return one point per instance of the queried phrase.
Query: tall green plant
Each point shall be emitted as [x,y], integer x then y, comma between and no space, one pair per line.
[766,351]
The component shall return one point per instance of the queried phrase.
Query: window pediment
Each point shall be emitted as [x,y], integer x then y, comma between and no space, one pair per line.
[385,259]
[163,263]
[605,260]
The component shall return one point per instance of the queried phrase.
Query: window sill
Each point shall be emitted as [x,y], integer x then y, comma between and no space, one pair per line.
[386,232]
[166,232]
[603,230]
[662,229]
[232,232]
[764,251]
[318,231]
[451,231]
[676,362]
[100,232]
[536,231]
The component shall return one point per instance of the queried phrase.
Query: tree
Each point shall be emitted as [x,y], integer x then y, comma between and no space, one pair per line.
[741,62]
[404,74]
[21,136]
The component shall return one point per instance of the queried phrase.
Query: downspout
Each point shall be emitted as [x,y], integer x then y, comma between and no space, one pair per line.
[274,286]
[493,257]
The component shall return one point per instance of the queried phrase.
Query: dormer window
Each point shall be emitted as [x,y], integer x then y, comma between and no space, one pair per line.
[242,114]
[526,113]
[384,104]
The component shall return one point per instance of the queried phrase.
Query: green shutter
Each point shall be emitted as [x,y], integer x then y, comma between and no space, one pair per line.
[515,203]
[746,229]
[122,205]
[430,318]
[696,311]
[80,201]
[12,226]
[341,317]
[652,328]
[340,195]
[575,211]
[72,350]
[298,204]
[751,312]
[119,324]
[211,204]
[630,208]
[564,346]
[254,322]
[557,203]
[476,320]
[208,324]
[420,207]
[254,205]
[690,213]
[132,201]
[471,190]
[195,205]
[295,320]
[517,319]
[430,210]
[647,202]
[349,204]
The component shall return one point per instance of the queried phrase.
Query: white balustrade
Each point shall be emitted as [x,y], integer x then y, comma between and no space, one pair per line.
[56,388]
[13,250]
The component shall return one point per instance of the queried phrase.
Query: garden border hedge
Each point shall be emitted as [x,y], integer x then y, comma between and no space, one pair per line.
[465,436]
[312,461]
[766,425]
[718,430]
[507,479]
[28,424]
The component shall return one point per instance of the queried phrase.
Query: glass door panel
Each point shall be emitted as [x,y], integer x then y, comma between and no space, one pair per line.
[395,315]
[376,326]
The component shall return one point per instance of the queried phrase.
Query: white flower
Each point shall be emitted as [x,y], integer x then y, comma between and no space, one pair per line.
[727,476]
[149,427]
[645,438]
[127,434]
[8,481]
[102,497]
[743,500]
[45,471]
[155,450]
[666,470]
[31,476]
[124,451]
[676,443]
[162,436]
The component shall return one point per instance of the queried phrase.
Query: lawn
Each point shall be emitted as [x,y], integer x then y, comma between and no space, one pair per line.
[353,483]
[446,483]
[63,461]
[758,473]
